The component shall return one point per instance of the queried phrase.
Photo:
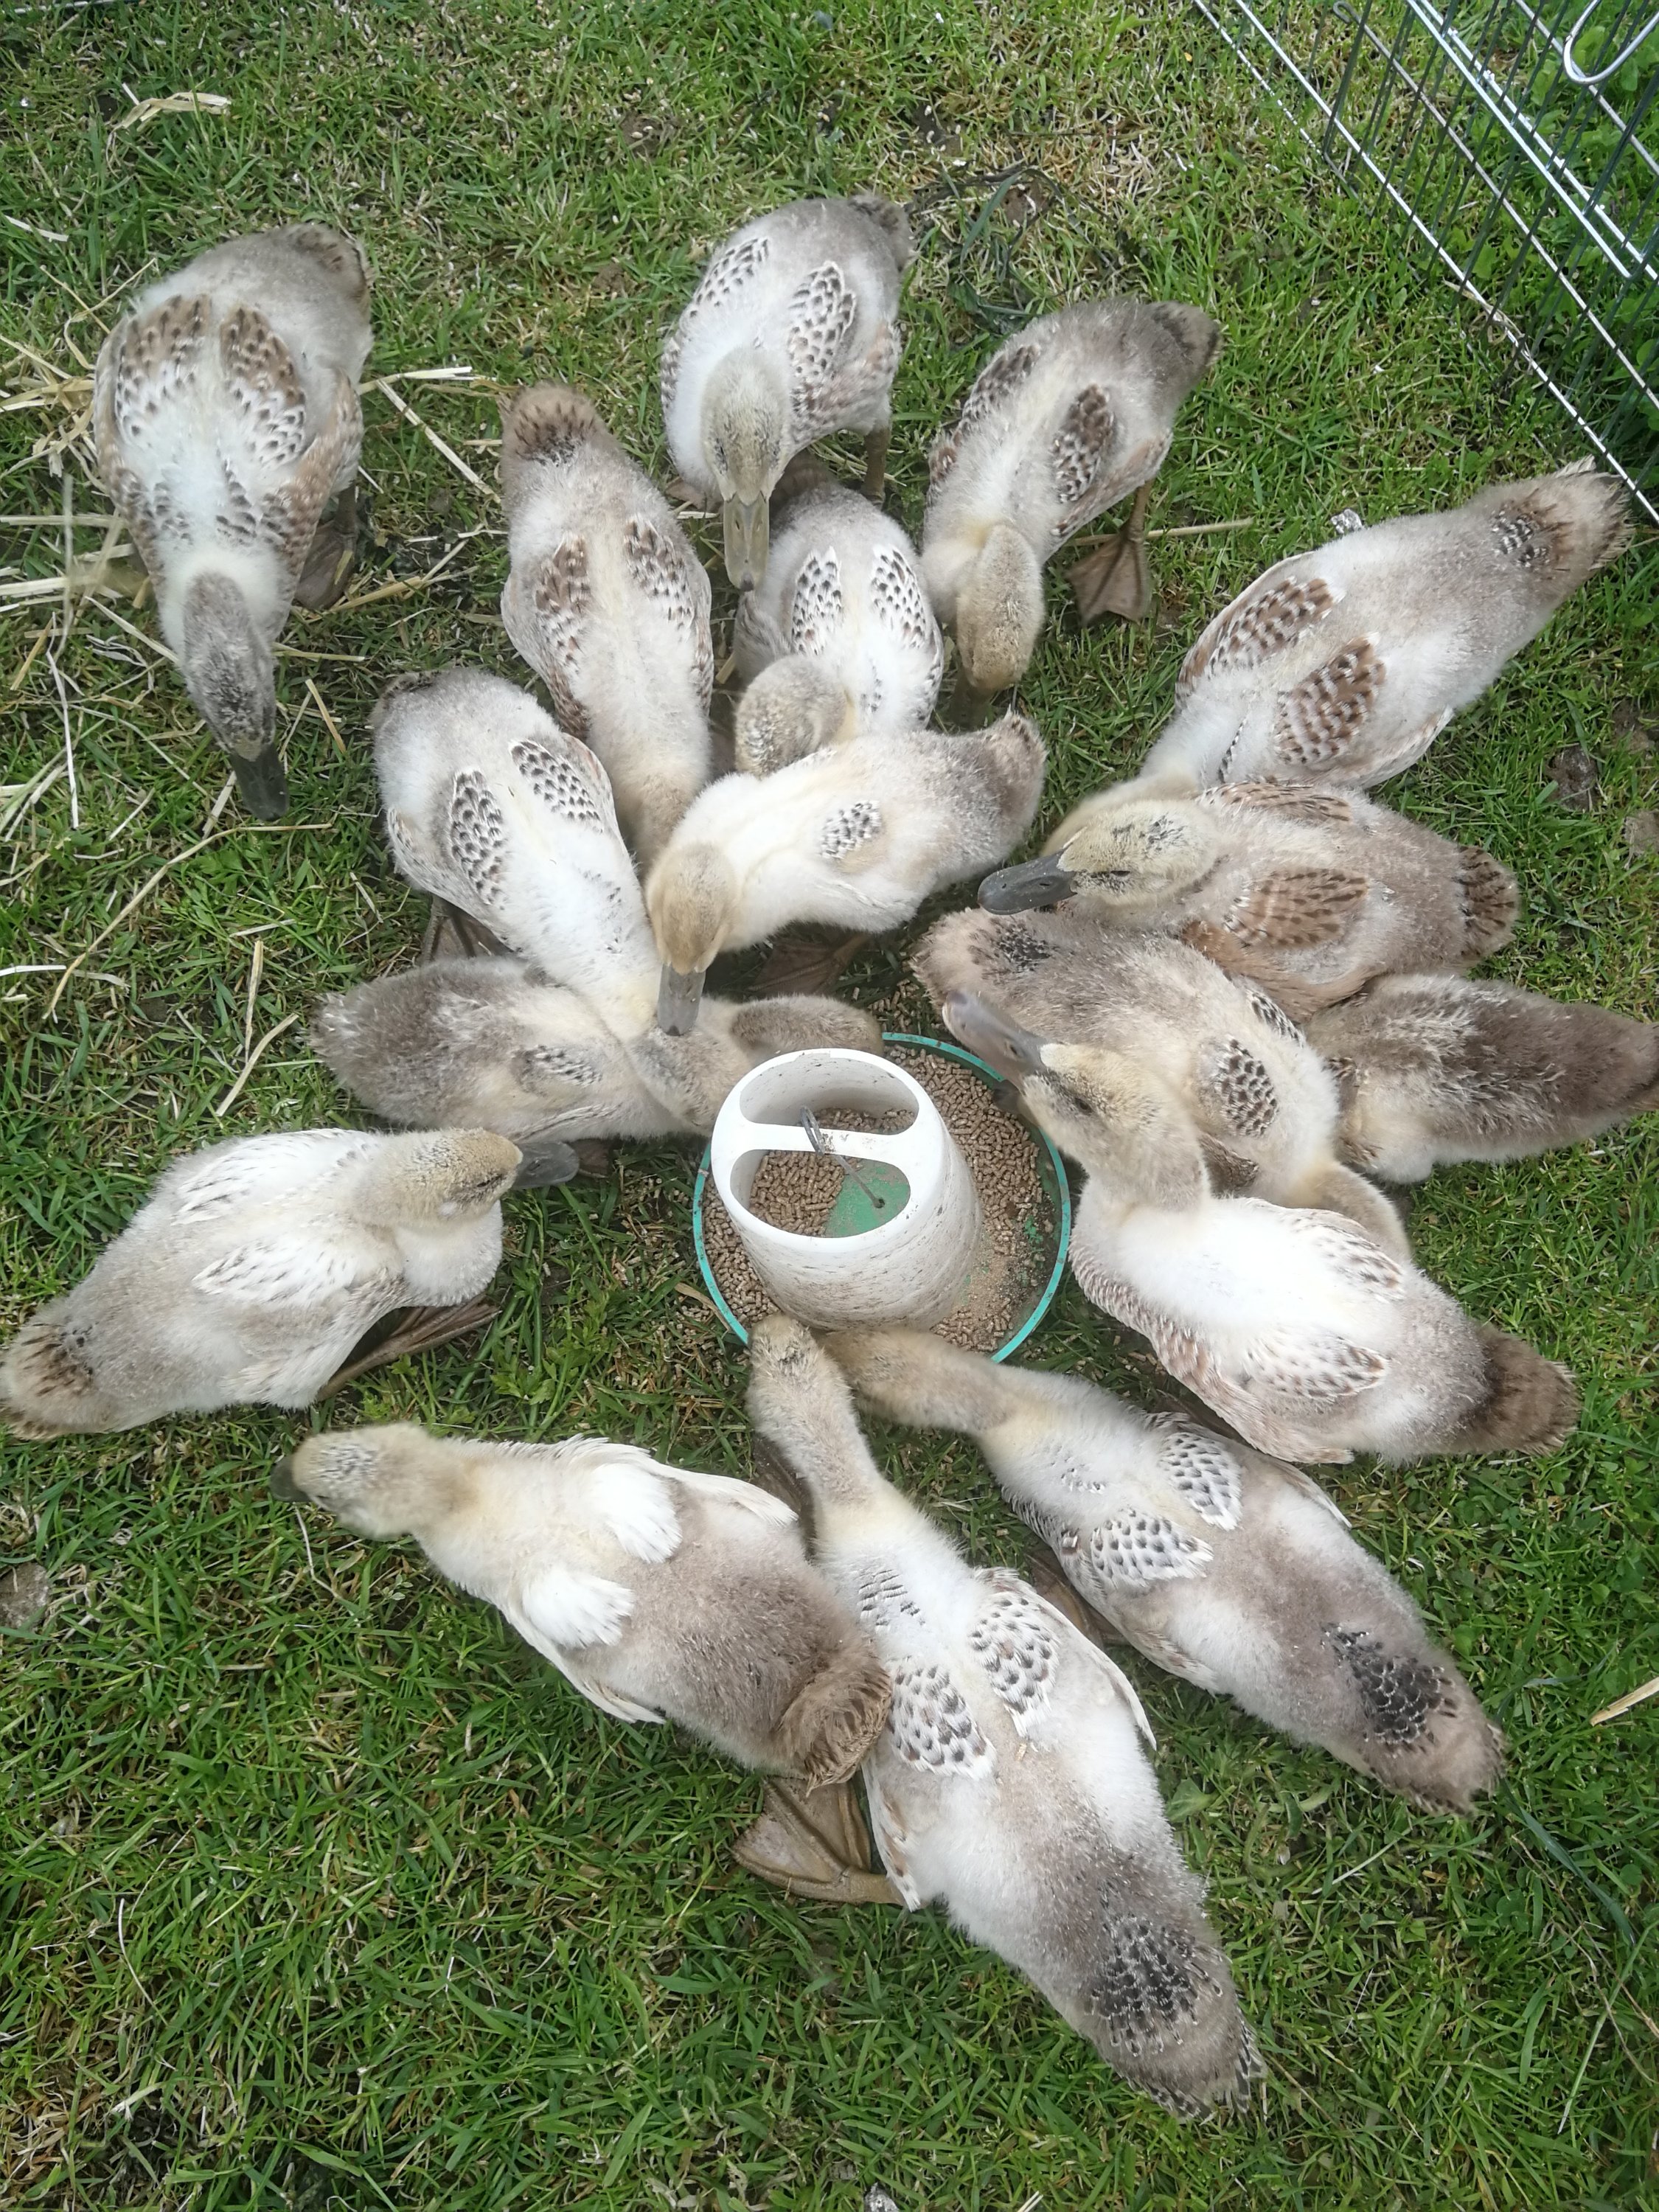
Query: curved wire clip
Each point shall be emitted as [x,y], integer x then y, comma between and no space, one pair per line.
[1600,77]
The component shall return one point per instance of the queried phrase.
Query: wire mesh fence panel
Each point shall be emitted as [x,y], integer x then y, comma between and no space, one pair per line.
[1519,147]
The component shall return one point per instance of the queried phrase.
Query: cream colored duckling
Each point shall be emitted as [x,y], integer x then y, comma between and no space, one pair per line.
[1064,420]
[1234,1570]
[608,604]
[858,834]
[840,641]
[253,1269]
[225,406]
[1308,893]
[791,335]
[1295,1326]
[658,1592]
[1010,1785]
[492,1044]
[1436,1068]
[1345,664]
[1263,1105]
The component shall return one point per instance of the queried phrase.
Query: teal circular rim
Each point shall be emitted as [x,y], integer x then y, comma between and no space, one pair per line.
[1062,1189]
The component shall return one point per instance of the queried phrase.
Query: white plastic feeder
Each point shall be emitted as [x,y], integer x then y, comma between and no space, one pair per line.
[913,1267]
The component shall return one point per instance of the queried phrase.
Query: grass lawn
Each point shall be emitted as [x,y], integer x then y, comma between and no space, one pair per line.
[320,1890]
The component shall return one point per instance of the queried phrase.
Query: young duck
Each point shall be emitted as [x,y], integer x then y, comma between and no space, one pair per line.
[859,834]
[839,641]
[1009,1784]
[1344,664]
[492,1044]
[1308,893]
[253,1269]
[658,1592]
[1264,1106]
[608,604]
[1295,1326]
[791,335]
[225,406]
[1064,420]
[1231,1570]
[1435,1068]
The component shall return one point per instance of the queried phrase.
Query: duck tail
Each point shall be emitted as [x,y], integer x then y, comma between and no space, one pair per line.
[825,1733]
[47,1388]
[1578,519]
[1528,1403]
[1491,899]
[547,423]
[890,216]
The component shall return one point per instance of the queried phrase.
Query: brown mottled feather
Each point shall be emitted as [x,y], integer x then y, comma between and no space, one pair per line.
[1296,907]
[1320,718]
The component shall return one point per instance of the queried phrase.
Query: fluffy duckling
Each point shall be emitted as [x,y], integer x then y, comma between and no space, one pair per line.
[1308,893]
[658,1592]
[791,335]
[1009,1784]
[1231,1570]
[225,407]
[1295,1326]
[608,604]
[1435,1068]
[858,834]
[1346,662]
[492,1044]
[1064,420]
[840,641]
[1264,1106]
[253,1269]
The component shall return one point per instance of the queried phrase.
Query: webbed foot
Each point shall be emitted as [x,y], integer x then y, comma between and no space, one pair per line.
[814,1842]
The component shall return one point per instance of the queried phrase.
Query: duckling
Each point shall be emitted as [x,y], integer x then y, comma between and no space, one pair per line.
[253,1268]
[791,335]
[1344,665]
[1308,893]
[1008,1783]
[491,1043]
[1064,420]
[839,641]
[858,834]
[1435,1068]
[608,604]
[658,1592]
[1264,1106]
[1233,1571]
[226,412]
[1295,1326]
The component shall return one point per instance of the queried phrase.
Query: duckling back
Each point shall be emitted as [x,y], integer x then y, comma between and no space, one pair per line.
[1437,1068]
[1345,662]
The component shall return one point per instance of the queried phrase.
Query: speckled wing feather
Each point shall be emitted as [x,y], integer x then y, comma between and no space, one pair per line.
[888,1833]
[816,606]
[1317,723]
[931,1722]
[1267,617]
[475,832]
[262,385]
[1000,378]
[1295,802]
[899,602]
[557,596]
[727,272]
[571,785]
[1079,448]
[295,1271]
[1014,1644]
[1355,1258]
[291,511]
[1294,908]
[850,827]
[1236,1085]
[822,312]
[255,1173]
[883,1599]
[1202,1468]
[677,588]
[1134,1551]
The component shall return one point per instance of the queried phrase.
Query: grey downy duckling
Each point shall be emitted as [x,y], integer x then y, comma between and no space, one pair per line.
[1233,1571]
[1010,1783]
[659,1593]
[226,411]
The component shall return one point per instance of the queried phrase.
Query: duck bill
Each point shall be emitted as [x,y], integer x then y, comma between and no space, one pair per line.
[747,540]
[262,782]
[1043,882]
[282,1485]
[1002,1044]
[546,1162]
[678,998]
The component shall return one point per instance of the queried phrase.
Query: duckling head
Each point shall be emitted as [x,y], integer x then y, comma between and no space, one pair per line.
[1126,858]
[1117,1119]
[745,415]
[790,710]
[388,1482]
[692,898]
[228,671]
[435,1176]
[999,612]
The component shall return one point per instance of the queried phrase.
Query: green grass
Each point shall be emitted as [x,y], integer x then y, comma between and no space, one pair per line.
[321,1891]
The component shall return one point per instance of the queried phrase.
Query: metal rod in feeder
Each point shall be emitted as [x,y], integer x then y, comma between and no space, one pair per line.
[820,1143]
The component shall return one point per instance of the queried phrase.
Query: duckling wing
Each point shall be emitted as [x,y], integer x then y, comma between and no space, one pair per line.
[150,369]
[899,606]
[252,1172]
[1077,459]
[562,1612]
[1269,617]
[734,267]
[545,607]
[931,1722]
[1292,909]
[1290,801]
[818,324]
[300,1271]
[728,1490]
[676,587]
[818,606]
[997,382]
[1202,1466]
[1013,1638]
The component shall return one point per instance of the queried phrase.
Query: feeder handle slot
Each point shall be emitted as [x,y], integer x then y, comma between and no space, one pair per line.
[893,1147]
[1600,75]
